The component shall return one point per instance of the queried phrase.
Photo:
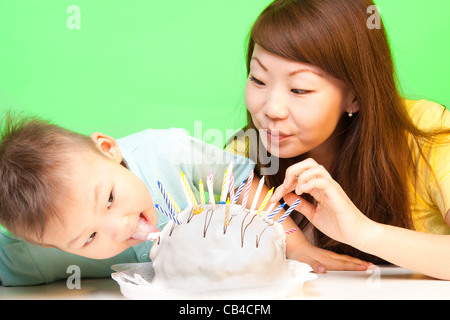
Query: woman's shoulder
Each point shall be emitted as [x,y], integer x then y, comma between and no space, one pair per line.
[428,115]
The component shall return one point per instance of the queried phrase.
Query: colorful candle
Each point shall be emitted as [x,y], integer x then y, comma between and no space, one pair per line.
[227,214]
[264,203]
[222,193]
[269,211]
[210,187]
[247,189]
[290,231]
[171,204]
[188,192]
[226,183]
[238,192]
[231,186]
[258,192]
[276,211]
[202,192]
[169,215]
[288,212]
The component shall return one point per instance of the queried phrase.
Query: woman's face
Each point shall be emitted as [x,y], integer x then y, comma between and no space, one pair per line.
[298,104]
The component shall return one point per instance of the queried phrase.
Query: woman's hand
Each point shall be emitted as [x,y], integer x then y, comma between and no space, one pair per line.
[322,260]
[335,214]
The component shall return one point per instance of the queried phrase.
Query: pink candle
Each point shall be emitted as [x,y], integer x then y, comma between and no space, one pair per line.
[231,186]
[210,186]
[247,189]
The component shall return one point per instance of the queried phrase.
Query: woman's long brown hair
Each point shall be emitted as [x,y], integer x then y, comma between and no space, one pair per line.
[374,159]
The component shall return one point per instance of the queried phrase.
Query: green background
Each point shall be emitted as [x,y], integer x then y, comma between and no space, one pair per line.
[140,64]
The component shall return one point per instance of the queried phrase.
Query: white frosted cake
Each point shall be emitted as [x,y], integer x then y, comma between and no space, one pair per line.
[205,252]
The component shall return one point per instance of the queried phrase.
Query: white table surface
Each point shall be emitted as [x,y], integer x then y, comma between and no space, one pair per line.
[384,283]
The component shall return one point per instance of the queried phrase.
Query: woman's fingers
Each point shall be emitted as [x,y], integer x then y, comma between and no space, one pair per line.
[294,171]
[299,175]
[335,261]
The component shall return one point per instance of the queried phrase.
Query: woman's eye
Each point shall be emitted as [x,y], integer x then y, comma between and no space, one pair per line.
[258,82]
[91,238]
[110,200]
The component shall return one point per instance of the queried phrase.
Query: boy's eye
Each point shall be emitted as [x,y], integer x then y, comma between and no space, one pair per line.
[110,200]
[92,236]
[299,91]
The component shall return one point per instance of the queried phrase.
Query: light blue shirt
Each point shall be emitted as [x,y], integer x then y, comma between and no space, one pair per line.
[152,155]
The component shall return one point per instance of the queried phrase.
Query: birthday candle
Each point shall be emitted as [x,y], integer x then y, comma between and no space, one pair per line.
[269,211]
[231,186]
[226,183]
[290,231]
[264,203]
[188,192]
[247,189]
[256,198]
[171,204]
[169,215]
[276,211]
[222,193]
[210,186]
[227,214]
[288,212]
[238,192]
[202,192]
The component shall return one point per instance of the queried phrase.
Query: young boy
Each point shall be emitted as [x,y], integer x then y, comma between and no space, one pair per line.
[67,199]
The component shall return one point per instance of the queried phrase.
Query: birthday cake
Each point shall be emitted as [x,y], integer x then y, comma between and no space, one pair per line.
[223,246]
[221,250]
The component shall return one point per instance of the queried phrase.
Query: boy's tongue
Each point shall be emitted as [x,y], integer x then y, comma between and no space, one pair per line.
[145,231]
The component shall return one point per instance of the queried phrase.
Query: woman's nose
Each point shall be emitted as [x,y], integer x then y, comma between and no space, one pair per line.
[276,105]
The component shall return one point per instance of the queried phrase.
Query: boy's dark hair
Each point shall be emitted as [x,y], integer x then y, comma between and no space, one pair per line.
[33,165]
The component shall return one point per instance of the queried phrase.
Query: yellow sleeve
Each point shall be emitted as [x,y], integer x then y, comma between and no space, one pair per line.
[429,115]
[440,184]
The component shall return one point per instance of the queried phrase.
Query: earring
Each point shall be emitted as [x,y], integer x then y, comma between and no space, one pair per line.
[350,114]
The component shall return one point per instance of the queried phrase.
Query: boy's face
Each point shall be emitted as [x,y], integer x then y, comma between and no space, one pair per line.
[105,203]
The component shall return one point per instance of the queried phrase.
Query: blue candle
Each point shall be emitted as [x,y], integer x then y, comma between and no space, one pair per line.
[173,207]
[288,212]
[276,211]
[238,192]
[169,215]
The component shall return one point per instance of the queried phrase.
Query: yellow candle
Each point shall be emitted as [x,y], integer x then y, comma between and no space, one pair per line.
[227,214]
[224,183]
[189,194]
[202,192]
[264,203]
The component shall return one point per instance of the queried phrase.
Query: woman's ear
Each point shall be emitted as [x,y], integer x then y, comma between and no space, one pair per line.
[107,145]
[353,106]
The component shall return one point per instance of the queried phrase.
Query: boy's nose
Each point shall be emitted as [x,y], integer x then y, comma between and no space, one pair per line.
[117,226]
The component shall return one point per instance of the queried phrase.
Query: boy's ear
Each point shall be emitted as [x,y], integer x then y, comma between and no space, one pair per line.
[107,145]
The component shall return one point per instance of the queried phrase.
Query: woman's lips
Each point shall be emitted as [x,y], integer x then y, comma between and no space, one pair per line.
[276,135]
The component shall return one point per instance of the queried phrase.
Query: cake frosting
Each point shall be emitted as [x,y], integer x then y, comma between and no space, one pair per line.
[201,251]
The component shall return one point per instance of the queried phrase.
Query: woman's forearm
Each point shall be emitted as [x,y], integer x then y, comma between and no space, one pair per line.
[422,252]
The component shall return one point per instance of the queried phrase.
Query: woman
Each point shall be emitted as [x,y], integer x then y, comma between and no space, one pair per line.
[371,167]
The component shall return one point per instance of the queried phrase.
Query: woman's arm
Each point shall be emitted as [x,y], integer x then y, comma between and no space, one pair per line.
[338,217]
